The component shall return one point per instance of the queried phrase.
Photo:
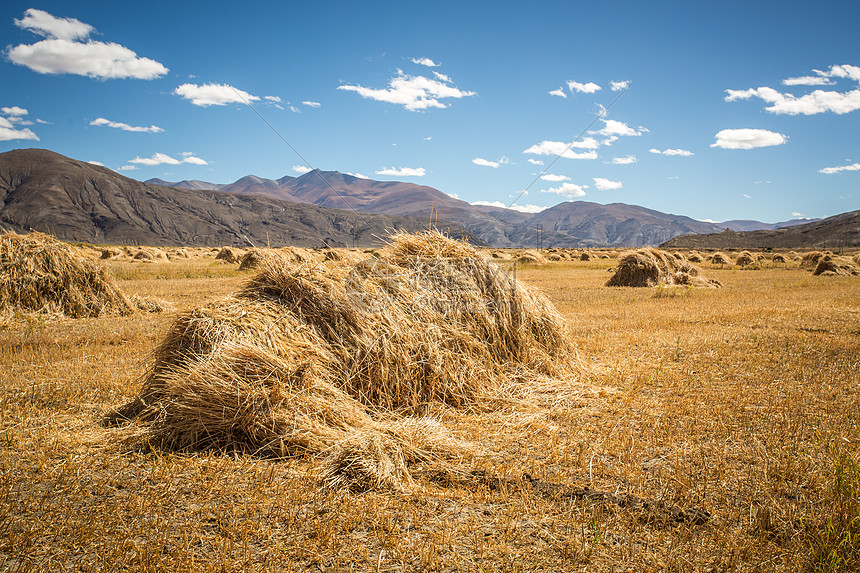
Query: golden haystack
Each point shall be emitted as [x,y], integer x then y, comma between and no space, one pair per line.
[149,255]
[856,259]
[111,253]
[296,255]
[812,258]
[39,274]
[340,359]
[694,257]
[746,259]
[585,256]
[651,267]
[720,259]
[531,257]
[829,265]
[254,258]
[228,254]
[778,258]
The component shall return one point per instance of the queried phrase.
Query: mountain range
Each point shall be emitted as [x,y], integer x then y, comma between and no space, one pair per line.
[78,201]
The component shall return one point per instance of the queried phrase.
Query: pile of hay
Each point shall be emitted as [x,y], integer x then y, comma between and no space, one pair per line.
[228,255]
[254,258]
[585,256]
[694,257]
[746,259]
[39,274]
[111,253]
[720,259]
[651,267]
[778,258]
[149,255]
[829,265]
[531,257]
[344,360]
[812,258]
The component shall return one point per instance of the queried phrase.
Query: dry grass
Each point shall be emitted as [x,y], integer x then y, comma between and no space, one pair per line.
[653,267]
[740,400]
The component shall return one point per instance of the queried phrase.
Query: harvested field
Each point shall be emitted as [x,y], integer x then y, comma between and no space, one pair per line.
[738,401]
[653,267]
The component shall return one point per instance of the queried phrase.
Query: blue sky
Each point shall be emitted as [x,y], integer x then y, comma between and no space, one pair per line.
[729,110]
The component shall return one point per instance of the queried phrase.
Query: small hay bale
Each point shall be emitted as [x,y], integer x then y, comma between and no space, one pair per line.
[586,256]
[651,267]
[694,257]
[746,259]
[778,258]
[39,274]
[228,255]
[531,257]
[111,253]
[254,258]
[811,259]
[555,257]
[829,265]
[720,259]
[678,256]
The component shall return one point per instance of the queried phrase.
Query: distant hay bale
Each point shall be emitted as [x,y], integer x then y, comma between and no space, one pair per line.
[679,256]
[150,255]
[297,255]
[531,257]
[856,259]
[651,267]
[720,259]
[586,256]
[554,257]
[340,360]
[812,258]
[111,253]
[746,259]
[831,265]
[39,274]
[605,256]
[254,258]
[181,253]
[228,255]
[694,257]
[778,258]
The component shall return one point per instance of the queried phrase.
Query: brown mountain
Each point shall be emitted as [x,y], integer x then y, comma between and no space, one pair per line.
[834,232]
[78,201]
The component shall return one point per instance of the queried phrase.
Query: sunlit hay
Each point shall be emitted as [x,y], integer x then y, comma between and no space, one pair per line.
[296,255]
[344,256]
[181,253]
[746,259]
[586,256]
[555,257]
[149,255]
[829,265]
[531,258]
[856,259]
[111,253]
[605,256]
[254,258]
[149,304]
[812,258]
[678,256]
[720,259]
[651,267]
[778,258]
[694,257]
[228,255]
[305,357]
[39,274]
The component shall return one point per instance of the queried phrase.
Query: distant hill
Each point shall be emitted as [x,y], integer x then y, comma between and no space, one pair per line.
[743,225]
[77,201]
[834,232]
[187,184]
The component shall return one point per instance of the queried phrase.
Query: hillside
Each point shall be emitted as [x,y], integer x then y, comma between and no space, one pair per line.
[834,232]
[78,201]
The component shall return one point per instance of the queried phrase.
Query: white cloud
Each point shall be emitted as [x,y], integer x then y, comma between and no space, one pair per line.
[313,104]
[301,169]
[832,170]
[428,138]
[67,49]
[128,168]
[99,163]
[43,122]
[425,62]
[797,215]
[294,109]
[748,138]
[402,172]
[624,160]
[559,92]
[568,190]
[613,128]
[9,132]
[606,184]
[273,99]
[708,221]
[619,86]
[588,88]
[556,148]
[818,101]
[125,126]
[554,178]
[14,111]
[535,161]
[213,94]
[520,208]
[414,93]
[442,77]
[452,195]
[485,162]
[746,196]
[163,159]
[673,152]
[359,175]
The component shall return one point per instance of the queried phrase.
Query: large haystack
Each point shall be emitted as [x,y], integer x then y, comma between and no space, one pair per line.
[255,258]
[531,257]
[39,274]
[829,265]
[746,259]
[720,259]
[778,258]
[336,358]
[651,267]
[228,255]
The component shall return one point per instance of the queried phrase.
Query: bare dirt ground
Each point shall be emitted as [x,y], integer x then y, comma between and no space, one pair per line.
[742,402]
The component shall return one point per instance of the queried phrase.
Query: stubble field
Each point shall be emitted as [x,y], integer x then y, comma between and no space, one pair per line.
[741,402]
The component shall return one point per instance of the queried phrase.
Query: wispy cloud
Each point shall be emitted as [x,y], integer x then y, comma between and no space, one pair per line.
[559,92]
[485,162]
[67,49]
[402,171]
[99,163]
[569,190]
[125,126]
[425,62]
[535,161]
[832,170]
[560,148]
[14,111]
[414,93]
[672,152]
[554,178]
[619,86]
[301,169]
[205,95]
[520,208]
[606,184]
[586,88]
[626,160]
[314,104]
[748,138]
[359,175]
[163,159]
[612,127]
[818,101]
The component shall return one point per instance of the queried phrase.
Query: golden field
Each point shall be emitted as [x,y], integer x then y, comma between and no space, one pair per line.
[740,401]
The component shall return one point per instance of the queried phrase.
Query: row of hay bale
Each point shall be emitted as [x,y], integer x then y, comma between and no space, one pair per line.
[652,267]
[40,275]
[342,360]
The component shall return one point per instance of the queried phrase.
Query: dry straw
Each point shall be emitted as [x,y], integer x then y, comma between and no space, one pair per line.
[746,259]
[651,267]
[39,274]
[829,265]
[345,360]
